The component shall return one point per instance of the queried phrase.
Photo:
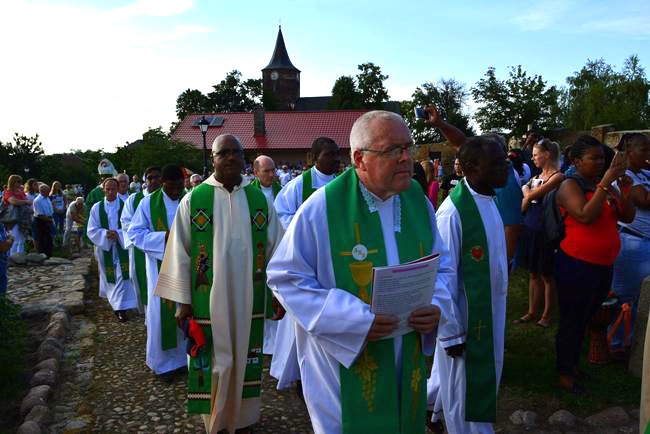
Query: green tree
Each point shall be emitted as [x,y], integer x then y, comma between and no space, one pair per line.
[21,156]
[597,94]
[513,104]
[449,97]
[370,84]
[345,94]
[234,95]
[191,101]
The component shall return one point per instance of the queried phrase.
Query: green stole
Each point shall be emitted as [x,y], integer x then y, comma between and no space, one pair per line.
[307,187]
[159,223]
[139,260]
[369,397]
[108,254]
[275,186]
[200,368]
[480,371]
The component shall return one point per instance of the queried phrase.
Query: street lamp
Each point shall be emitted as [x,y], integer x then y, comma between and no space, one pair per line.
[203,126]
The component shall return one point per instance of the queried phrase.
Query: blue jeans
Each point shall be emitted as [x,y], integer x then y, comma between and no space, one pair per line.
[631,267]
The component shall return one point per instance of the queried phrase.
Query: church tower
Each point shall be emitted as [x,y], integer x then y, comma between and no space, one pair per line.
[280,79]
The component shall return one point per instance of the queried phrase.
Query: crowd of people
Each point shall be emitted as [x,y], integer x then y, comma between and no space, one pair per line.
[266,260]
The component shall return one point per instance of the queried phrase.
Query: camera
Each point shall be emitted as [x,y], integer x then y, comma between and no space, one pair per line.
[421,113]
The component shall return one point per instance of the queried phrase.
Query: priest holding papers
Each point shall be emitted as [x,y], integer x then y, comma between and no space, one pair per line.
[355,379]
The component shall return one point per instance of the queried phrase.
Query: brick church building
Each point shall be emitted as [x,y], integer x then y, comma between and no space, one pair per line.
[284,134]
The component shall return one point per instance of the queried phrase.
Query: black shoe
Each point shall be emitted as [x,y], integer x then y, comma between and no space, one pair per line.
[167,377]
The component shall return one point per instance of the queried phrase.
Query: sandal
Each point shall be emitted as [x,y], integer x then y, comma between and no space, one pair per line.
[524,319]
[544,323]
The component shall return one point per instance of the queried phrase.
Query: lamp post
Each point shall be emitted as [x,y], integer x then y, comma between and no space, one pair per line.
[203,126]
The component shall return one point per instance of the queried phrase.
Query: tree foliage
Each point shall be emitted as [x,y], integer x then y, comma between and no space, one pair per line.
[156,149]
[191,101]
[449,97]
[345,94]
[232,94]
[370,84]
[511,105]
[598,94]
[20,156]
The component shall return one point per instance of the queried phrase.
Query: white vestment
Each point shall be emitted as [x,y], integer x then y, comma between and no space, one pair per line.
[270,327]
[143,235]
[332,324]
[120,294]
[127,215]
[231,296]
[446,386]
[123,197]
[284,364]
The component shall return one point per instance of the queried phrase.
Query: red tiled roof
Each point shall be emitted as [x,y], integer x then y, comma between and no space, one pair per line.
[284,130]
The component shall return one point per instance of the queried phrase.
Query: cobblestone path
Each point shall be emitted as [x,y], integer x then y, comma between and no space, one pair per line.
[120,394]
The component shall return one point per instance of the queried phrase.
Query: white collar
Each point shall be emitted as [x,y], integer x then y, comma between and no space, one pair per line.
[373,200]
[322,175]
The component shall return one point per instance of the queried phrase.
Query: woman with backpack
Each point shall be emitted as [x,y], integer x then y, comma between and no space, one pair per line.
[585,258]
[633,262]
[537,254]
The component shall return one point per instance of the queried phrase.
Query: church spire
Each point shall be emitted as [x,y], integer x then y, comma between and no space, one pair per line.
[280,58]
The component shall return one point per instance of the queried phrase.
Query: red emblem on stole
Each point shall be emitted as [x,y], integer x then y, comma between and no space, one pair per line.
[477,253]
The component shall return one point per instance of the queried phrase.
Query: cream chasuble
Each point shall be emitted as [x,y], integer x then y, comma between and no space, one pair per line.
[332,323]
[231,296]
[446,386]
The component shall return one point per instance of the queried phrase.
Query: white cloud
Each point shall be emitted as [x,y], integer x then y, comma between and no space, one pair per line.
[542,15]
[632,25]
[153,8]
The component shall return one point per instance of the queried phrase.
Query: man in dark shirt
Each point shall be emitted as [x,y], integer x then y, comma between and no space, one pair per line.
[450,181]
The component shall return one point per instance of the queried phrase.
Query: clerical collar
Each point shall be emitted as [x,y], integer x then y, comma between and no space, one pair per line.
[372,200]
[322,175]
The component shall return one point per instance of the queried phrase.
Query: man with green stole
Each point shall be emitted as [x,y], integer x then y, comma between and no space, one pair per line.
[325,153]
[264,171]
[215,267]
[357,379]
[106,170]
[105,232]
[148,231]
[467,366]
[137,261]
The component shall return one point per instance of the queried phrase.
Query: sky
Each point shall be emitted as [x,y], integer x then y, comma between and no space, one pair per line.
[91,74]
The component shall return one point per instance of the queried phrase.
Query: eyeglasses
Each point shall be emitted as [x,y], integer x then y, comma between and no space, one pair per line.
[228,152]
[395,152]
[152,177]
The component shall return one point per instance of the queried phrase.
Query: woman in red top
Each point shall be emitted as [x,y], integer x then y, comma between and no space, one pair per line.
[584,262]
[16,197]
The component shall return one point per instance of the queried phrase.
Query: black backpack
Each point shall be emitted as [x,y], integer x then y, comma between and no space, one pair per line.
[553,218]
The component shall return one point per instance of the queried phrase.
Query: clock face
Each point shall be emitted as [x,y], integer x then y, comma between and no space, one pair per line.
[274,75]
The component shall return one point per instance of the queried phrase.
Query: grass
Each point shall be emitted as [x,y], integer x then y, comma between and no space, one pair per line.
[529,365]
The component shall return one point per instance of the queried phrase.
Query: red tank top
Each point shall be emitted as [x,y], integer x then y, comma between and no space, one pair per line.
[597,243]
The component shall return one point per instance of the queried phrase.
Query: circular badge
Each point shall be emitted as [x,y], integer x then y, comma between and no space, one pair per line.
[359,252]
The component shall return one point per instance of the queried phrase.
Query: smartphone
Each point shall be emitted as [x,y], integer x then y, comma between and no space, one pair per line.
[421,113]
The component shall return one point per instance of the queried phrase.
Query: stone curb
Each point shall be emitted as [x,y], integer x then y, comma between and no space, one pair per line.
[34,408]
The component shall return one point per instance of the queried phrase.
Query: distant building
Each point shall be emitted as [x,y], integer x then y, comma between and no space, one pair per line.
[286,131]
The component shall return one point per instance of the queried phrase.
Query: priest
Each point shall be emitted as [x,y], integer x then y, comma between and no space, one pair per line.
[105,232]
[467,366]
[264,171]
[355,378]
[214,266]
[325,153]
[137,267]
[148,231]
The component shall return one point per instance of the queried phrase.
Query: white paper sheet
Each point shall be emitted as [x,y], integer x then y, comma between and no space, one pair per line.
[400,289]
